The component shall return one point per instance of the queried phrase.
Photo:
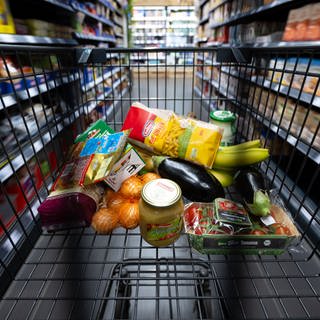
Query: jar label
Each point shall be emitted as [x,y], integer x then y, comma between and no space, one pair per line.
[164,231]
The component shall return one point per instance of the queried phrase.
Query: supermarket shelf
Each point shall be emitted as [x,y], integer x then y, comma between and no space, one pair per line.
[211,44]
[10,100]
[28,152]
[110,108]
[114,105]
[218,5]
[62,5]
[201,40]
[202,3]
[148,26]
[81,36]
[269,8]
[107,4]
[29,39]
[150,34]
[118,35]
[93,16]
[118,24]
[303,147]
[182,26]
[95,82]
[149,42]
[292,92]
[186,19]
[119,3]
[204,20]
[215,84]
[202,96]
[148,19]
[276,45]
[114,87]
[276,87]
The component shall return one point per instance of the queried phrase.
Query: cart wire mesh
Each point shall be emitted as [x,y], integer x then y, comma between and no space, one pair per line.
[51,95]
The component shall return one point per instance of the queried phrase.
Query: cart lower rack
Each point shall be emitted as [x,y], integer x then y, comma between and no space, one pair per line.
[50,95]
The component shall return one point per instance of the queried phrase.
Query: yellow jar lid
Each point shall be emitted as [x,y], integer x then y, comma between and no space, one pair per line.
[161,193]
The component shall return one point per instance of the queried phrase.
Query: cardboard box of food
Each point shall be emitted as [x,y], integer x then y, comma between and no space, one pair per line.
[208,236]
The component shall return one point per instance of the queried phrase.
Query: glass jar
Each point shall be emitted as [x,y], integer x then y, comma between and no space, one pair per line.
[160,209]
[225,120]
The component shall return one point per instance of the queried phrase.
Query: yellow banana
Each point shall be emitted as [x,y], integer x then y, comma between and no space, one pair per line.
[224,177]
[242,146]
[239,158]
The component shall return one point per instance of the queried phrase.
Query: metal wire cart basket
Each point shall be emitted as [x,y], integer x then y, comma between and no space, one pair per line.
[51,95]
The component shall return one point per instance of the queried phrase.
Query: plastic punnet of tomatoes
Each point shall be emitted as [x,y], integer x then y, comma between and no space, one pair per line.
[209,233]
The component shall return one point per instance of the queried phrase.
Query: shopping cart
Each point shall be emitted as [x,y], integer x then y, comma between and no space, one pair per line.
[51,95]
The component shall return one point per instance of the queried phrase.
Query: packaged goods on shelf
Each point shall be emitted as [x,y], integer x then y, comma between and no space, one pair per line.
[23,187]
[303,24]
[238,7]
[286,113]
[250,32]
[6,20]
[220,14]
[302,66]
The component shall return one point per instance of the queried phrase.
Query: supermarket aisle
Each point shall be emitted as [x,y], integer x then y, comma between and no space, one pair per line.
[157,91]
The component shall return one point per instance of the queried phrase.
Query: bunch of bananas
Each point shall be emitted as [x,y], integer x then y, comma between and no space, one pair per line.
[230,158]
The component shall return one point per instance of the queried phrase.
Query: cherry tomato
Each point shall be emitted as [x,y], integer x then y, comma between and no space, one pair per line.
[193,215]
[258,232]
[280,229]
[198,230]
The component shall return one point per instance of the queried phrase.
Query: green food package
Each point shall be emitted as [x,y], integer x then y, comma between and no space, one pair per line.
[96,130]
[92,161]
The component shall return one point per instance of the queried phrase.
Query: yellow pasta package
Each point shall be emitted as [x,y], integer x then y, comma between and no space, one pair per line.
[164,132]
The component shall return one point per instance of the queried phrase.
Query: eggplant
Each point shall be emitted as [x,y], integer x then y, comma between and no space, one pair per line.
[195,182]
[250,183]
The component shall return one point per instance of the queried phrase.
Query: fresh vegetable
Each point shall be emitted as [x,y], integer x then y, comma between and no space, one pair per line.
[115,200]
[224,177]
[280,229]
[239,158]
[195,182]
[105,220]
[147,177]
[242,146]
[129,214]
[131,188]
[258,232]
[251,185]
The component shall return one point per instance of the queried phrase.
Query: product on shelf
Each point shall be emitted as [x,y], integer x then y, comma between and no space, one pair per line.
[303,66]
[303,24]
[6,21]
[23,187]
[287,113]
[220,14]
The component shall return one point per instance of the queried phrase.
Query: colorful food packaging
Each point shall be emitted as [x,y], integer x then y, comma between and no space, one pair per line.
[92,161]
[164,132]
[70,207]
[129,164]
[224,227]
